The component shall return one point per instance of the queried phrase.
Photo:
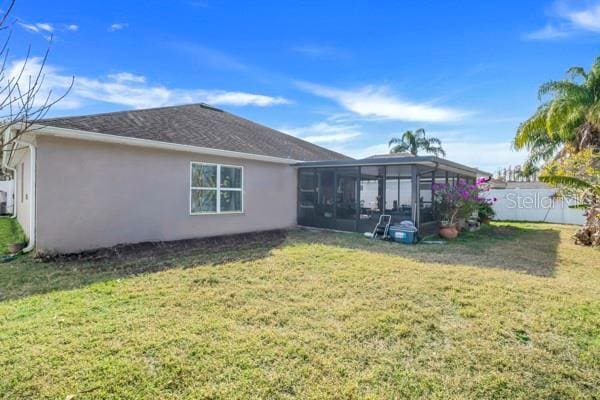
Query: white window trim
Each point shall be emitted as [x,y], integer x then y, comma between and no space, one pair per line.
[217,189]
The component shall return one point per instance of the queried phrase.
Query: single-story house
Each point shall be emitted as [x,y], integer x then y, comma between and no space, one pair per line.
[190,171]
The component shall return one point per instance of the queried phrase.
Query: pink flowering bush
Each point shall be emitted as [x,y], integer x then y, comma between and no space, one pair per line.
[460,200]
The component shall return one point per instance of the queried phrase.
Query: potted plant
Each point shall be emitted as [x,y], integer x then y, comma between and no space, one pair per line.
[448,230]
[455,204]
[486,212]
[447,209]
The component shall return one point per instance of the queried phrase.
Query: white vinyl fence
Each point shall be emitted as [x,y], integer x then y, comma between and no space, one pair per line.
[534,205]
[7,195]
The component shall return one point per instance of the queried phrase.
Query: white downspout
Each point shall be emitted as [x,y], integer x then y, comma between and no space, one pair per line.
[32,173]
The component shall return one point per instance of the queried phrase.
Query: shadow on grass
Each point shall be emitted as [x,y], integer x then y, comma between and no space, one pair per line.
[27,276]
[524,248]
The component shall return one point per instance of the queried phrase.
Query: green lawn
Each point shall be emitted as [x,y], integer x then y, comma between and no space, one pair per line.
[512,312]
[10,232]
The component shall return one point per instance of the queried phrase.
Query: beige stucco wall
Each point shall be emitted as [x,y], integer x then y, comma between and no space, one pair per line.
[92,195]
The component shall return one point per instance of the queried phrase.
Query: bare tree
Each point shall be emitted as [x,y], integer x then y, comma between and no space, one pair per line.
[21,102]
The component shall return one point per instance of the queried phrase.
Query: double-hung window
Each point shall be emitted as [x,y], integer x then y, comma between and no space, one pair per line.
[216,189]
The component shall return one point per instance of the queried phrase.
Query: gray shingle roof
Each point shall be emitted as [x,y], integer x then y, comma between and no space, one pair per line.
[198,125]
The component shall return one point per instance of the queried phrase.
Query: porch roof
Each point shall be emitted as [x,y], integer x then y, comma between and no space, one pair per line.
[429,161]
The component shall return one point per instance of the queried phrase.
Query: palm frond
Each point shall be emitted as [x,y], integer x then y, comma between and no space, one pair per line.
[435,150]
[575,72]
[411,141]
[434,140]
[439,151]
[400,148]
[420,132]
[580,206]
[564,89]
[532,128]
[542,151]
[569,181]
[570,119]
[394,141]
[593,115]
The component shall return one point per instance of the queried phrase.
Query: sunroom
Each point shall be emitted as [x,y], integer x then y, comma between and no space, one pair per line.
[351,195]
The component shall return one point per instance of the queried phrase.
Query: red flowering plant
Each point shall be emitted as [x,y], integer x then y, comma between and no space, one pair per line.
[460,200]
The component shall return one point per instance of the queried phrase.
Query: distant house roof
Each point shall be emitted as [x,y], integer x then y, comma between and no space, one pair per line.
[198,125]
[502,184]
[392,155]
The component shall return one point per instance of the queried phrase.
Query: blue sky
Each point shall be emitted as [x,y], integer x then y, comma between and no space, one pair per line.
[347,75]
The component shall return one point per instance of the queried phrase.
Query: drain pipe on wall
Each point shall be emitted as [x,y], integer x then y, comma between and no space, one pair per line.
[32,174]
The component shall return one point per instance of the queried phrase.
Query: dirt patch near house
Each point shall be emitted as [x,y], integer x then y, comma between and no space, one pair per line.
[179,248]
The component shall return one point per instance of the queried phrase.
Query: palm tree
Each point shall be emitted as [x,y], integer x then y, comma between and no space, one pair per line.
[569,121]
[589,199]
[562,128]
[415,141]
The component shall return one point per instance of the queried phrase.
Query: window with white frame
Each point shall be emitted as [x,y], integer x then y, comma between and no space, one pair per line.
[216,189]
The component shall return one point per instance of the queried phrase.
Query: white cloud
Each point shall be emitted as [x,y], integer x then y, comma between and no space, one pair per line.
[364,152]
[547,32]
[325,132]
[53,84]
[320,51]
[122,77]
[117,26]
[333,138]
[38,27]
[377,102]
[29,27]
[45,28]
[238,98]
[488,157]
[131,90]
[586,19]
[569,21]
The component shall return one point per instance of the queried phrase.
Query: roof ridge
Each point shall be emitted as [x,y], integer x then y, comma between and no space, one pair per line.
[201,104]
[197,124]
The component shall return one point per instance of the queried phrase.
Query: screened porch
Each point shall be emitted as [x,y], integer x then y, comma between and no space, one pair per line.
[352,195]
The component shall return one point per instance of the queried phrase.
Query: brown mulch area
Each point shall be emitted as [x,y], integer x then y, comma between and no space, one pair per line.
[187,247]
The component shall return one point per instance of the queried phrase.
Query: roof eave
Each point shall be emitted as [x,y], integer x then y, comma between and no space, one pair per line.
[419,160]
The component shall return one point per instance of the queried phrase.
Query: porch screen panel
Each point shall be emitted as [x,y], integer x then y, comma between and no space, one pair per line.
[371,192]
[392,194]
[325,194]
[405,199]
[346,193]
[426,198]
[306,196]
[398,191]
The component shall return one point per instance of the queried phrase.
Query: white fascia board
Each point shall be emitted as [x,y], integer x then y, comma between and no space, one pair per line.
[153,144]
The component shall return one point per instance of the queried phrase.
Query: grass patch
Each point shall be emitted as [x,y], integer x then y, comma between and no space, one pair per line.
[10,232]
[511,313]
